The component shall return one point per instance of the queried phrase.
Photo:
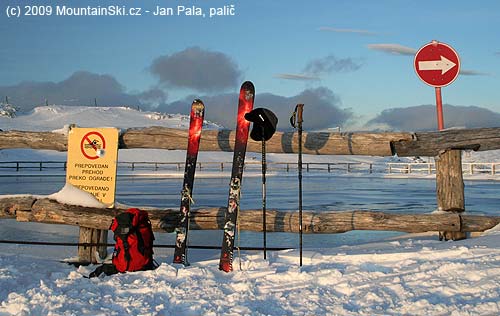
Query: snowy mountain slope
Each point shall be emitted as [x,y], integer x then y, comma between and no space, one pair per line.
[53,117]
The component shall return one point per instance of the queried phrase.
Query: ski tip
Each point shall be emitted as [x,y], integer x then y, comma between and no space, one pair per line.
[198,101]
[198,108]
[248,85]
[197,105]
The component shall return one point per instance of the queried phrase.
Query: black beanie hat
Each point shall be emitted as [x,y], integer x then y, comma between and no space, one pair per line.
[264,123]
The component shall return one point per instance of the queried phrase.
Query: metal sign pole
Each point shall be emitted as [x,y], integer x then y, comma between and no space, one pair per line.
[439,108]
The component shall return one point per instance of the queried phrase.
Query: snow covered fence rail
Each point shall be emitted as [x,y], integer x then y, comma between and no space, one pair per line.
[33,209]
[317,143]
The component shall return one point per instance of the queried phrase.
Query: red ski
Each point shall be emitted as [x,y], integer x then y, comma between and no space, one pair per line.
[195,127]
[245,105]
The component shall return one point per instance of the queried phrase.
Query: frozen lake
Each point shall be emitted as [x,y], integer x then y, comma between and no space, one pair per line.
[321,193]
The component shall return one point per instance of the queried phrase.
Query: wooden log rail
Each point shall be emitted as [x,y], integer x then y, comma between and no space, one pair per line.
[32,209]
[316,143]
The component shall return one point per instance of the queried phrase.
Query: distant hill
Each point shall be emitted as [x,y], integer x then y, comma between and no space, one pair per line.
[53,117]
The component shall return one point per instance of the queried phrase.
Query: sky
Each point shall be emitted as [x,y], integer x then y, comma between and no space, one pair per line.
[355,58]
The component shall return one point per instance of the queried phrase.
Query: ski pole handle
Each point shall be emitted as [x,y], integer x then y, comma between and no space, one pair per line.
[300,109]
[296,118]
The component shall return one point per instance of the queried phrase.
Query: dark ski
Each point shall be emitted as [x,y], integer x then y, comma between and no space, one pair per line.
[245,105]
[195,126]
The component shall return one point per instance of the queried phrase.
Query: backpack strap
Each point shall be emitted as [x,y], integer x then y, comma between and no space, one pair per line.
[123,228]
[140,241]
[107,268]
[143,222]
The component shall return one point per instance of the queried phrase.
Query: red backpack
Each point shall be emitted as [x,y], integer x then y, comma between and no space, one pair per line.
[133,241]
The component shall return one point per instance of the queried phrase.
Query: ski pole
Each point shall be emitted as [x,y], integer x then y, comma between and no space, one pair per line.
[264,126]
[296,121]
[299,121]
[264,226]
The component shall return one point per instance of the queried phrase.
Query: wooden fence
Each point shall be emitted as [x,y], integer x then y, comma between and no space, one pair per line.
[36,209]
[404,144]
[446,146]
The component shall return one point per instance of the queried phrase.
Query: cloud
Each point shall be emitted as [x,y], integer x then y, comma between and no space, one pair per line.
[423,117]
[81,88]
[395,49]
[300,77]
[197,69]
[318,67]
[153,97]
[321,109]
[330,64]
[473,73]
[338,30]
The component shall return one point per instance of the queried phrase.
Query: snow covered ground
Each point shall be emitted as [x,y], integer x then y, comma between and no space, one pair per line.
[410,275]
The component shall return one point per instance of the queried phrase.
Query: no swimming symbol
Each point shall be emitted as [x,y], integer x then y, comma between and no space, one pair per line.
[93,145]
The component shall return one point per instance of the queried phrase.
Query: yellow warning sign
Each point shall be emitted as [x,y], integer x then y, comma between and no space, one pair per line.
[92,158]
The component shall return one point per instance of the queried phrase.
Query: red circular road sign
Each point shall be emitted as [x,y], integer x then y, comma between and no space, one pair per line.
[437,64]
[92,145]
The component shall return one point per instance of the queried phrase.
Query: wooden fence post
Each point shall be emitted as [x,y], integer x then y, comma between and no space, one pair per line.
[450,188]
[86,254]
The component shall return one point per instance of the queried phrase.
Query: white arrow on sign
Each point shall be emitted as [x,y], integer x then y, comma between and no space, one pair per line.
[444,65]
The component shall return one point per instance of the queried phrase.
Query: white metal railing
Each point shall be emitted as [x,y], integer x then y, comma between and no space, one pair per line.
[430,168]
[414,167]
[330,167]
[346,167]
